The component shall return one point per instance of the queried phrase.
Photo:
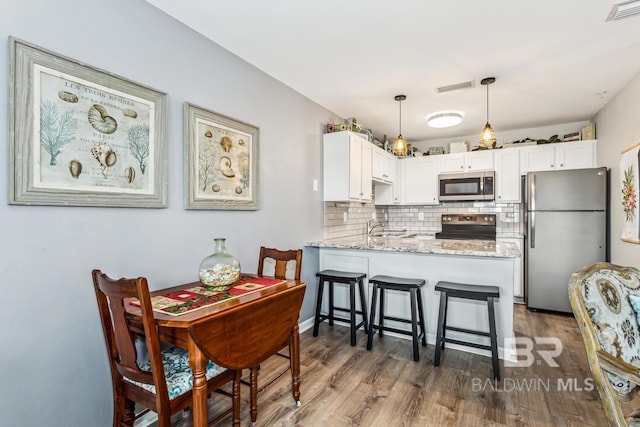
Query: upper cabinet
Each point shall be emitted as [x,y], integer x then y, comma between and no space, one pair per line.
[565,155]
[466,162]
[507,171]
[383,165]
[420,181]
[347,167]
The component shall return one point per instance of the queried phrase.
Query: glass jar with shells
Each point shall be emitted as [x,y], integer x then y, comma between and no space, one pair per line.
[220,270]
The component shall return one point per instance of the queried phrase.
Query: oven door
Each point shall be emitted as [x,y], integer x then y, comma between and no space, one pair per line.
[469,186]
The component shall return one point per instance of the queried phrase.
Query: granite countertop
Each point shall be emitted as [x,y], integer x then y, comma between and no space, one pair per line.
[422,244]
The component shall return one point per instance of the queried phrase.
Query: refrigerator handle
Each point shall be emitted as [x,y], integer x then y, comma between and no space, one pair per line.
[532,233]
[532,193]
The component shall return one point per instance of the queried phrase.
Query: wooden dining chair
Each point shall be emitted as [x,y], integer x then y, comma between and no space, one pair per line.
[244,336]
[162,383]
[282,260]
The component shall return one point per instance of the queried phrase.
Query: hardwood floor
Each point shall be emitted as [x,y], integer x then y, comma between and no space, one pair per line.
[350,386]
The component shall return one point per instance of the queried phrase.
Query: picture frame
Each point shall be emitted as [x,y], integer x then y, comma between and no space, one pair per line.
[82,136]
[629,187]
[221,161]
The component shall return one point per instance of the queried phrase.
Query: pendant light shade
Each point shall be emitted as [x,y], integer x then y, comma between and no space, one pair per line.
[400,144]
[488,135]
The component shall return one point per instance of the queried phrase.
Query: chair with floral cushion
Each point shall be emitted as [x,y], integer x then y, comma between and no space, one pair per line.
[163,381]
[605,299]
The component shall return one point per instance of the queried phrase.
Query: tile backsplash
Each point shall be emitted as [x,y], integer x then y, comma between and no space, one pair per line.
[342,219]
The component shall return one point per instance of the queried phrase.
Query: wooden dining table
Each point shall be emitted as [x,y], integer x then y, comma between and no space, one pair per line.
[236,333]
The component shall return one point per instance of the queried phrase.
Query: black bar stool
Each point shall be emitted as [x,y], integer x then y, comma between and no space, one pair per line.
[475,292]
[413,286]
[348,278]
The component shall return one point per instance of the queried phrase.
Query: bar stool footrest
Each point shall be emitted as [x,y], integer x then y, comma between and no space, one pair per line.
[468,331]
[467,343]
[397,331]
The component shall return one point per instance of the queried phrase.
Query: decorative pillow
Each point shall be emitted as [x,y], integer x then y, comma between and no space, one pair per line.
[176,371]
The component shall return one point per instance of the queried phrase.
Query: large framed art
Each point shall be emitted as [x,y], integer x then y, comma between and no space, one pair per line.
[221,161]
[630,185]
[81,136]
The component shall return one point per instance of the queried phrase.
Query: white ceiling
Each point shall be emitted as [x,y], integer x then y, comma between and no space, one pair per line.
[555,61]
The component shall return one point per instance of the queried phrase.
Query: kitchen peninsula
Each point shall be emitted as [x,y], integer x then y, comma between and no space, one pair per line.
[417,256]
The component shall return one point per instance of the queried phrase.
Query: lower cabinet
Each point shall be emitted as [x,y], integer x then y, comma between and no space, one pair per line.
[518,277]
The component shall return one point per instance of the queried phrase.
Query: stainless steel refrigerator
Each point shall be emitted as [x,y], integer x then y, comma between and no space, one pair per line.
[566,229]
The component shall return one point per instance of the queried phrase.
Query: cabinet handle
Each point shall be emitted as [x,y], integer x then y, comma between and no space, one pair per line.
[469,166]
[561,164]
[551,166]
[461,167]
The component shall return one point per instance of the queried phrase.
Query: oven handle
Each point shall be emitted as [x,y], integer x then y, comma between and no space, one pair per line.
[482,185]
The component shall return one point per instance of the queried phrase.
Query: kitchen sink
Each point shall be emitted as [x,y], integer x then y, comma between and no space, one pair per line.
[389,233]
[419,236]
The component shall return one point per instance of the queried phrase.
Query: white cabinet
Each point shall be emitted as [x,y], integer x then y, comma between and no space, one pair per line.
[507,175]
[518,268]
[466,162]
[383,165]
[556,156]
[390,193]
[420,181]
[346,167]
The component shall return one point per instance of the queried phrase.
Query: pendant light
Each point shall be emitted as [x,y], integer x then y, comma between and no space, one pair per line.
[400,145]
[488,135]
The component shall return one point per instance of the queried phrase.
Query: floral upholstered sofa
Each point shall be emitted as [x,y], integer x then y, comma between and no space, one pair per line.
[605,299]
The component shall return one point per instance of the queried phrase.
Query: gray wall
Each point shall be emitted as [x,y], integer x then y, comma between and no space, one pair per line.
[618,127]
[53,366]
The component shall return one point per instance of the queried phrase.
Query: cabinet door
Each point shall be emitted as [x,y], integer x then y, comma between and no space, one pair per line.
[355,168]
[451,162]
[389,193]
[518,270]
[575,155]
[420,181]
[507,168]
[389,172]
[366,187]
[377,164]
[479,160]
[537,158]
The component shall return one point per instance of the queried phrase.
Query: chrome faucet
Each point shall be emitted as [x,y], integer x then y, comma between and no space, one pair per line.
[373,224]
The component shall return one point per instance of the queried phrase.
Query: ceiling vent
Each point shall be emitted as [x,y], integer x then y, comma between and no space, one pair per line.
[624,9]
[458,86]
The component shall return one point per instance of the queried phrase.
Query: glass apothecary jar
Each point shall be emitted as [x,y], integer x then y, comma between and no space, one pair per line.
[220,270]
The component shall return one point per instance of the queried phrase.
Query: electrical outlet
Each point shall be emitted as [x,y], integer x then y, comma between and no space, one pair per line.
[373,215]
[420,216]
[386,217]
[315,185]
[344,217]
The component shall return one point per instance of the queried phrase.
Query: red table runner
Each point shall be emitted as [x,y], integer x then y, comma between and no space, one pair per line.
[187,300]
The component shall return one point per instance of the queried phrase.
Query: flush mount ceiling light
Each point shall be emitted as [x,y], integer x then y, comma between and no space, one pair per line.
[488,135]
[400,145]
[444,119]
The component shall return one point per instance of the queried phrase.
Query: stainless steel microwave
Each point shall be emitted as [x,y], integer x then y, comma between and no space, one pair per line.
[466,186]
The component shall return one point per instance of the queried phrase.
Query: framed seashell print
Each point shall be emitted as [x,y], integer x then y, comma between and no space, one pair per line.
[81,136]
[221,161]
